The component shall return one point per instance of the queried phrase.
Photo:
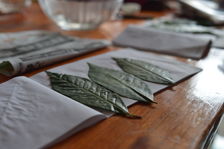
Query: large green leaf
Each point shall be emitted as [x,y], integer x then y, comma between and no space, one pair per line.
[88,93]
[145,70]
[121,83]
[6,68]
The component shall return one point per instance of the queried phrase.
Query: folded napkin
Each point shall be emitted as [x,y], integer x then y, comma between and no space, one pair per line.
[178,70]
[185,26]
[164,42]
[33,116]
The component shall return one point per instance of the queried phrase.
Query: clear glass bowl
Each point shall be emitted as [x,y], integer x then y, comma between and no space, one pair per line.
[80,14]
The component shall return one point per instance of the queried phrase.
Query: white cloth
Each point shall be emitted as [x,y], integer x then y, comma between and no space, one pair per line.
[178,70]
[32,115]
[165,42]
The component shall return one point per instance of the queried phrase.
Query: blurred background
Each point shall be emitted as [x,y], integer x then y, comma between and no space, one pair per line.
[205,12]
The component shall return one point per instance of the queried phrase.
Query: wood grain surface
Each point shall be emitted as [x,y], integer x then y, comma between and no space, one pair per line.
[184,117]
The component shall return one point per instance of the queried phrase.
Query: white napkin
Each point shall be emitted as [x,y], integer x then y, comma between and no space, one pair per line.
[32,116]
[178,70]
[164,42]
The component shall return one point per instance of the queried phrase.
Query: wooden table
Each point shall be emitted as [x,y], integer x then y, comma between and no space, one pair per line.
[185,118]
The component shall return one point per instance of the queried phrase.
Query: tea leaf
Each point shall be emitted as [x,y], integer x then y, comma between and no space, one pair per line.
[121,83]
[88,93]
[6,68]
[145,70]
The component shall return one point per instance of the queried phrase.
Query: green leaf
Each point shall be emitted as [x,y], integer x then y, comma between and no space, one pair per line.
[185,26]
[145,70]
[88,93]
[6,68]
[121,83]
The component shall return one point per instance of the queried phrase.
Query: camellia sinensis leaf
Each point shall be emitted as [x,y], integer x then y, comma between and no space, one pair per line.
[88,93]
[121,83]
[145,70]
[6,68]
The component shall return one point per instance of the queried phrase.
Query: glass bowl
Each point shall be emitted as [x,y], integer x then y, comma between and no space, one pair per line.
[80,14]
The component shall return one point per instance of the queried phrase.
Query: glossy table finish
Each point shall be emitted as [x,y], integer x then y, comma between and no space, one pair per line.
[184,118]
